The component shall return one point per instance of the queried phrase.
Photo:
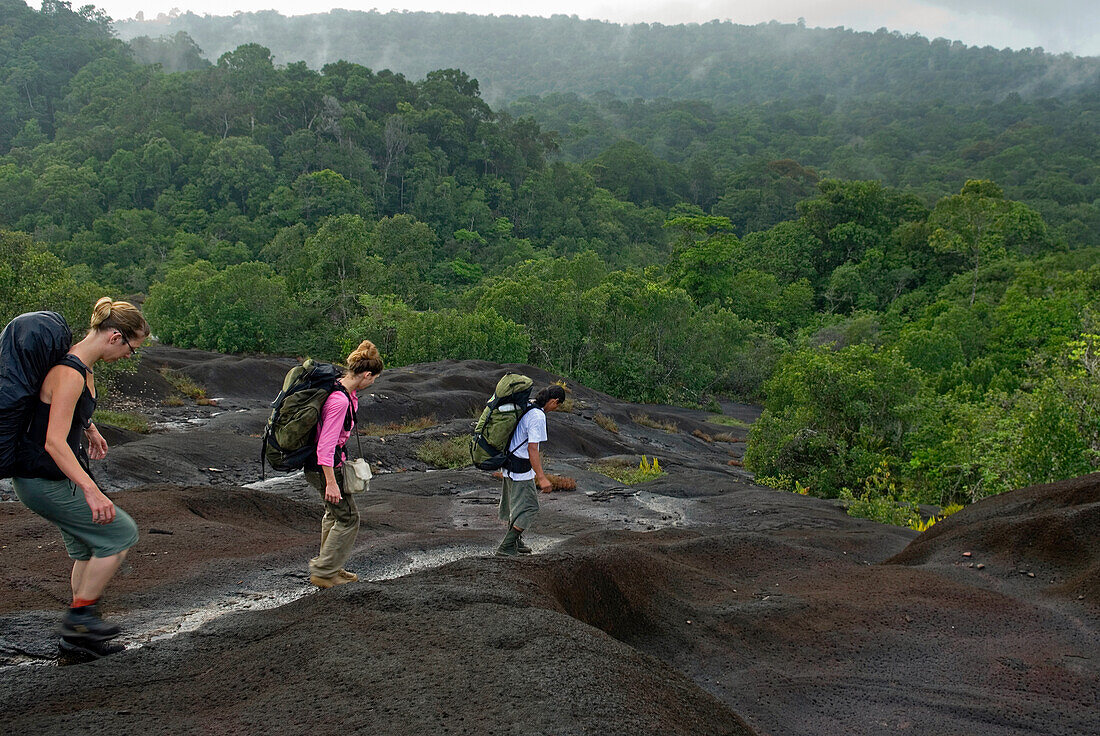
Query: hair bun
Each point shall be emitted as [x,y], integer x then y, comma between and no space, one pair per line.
[102,311]
[365,358]
[122,316]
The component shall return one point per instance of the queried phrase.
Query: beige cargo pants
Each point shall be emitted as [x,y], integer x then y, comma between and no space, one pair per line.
[339,527]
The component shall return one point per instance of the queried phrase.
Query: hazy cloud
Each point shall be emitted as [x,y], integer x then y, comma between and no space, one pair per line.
[1055,25]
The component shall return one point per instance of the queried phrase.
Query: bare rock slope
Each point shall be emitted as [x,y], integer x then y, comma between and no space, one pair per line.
[696,603]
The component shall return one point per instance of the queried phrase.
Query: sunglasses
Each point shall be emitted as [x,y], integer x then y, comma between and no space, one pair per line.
[133,350]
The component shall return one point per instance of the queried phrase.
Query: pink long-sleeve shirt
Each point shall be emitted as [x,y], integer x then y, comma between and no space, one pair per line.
[330,430]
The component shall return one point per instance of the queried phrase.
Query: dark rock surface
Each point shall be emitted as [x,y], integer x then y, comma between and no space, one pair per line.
[696,603]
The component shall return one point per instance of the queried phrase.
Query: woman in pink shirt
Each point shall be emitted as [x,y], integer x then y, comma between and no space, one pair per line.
[340,524]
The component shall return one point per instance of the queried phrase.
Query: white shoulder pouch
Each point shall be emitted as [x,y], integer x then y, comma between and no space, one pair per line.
[357,476]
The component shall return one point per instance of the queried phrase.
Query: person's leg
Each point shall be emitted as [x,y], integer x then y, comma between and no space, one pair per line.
[78,574]
[108,544]
[339,541]
[326,525]
[96,549]
[507,547]
[317,480]
[518,500]
[523,507]
[97,572]
[344,533]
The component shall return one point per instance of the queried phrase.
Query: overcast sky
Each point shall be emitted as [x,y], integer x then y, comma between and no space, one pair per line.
[1055,25]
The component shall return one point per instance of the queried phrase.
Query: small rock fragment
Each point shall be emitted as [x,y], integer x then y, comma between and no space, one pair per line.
[967,554]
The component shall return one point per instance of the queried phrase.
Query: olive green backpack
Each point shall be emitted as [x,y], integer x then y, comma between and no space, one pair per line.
[290,437]
[489,448]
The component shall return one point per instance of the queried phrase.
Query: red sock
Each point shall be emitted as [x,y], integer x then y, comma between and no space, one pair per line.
[80,602]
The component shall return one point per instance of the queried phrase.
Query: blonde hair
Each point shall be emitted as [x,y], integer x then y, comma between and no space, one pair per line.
[122,316]
[365,359]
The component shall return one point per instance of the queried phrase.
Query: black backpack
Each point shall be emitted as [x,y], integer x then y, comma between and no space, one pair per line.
[30,346]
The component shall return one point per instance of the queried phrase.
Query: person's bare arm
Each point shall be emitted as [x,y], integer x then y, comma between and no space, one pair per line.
[536,465]
[97,446]
[65,387]
[332,488]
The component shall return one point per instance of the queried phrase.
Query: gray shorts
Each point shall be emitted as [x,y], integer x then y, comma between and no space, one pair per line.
[62,504]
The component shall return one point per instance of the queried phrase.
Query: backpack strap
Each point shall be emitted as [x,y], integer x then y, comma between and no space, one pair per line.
[512,463]
[350,422]
[77,365]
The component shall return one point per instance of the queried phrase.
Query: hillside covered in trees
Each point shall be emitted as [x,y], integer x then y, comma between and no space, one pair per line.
[720,62]
[911,287]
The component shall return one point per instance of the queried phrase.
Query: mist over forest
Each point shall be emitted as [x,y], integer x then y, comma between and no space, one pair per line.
[891,243]
[721,62]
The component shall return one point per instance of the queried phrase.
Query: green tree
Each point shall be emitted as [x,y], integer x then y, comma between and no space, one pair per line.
[979,224]
[32,279]
[832,417]
[240,172]
[702,260]
[484,335]
[241,308]
[340,265]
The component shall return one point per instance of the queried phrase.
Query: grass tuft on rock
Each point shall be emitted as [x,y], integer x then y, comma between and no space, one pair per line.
[409,425]
[122,420]
[726,421]
[647,421]
[186,386]
[606,422]
[627,474]
[449,452]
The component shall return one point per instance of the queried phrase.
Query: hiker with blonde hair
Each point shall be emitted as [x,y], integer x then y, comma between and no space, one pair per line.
[340,524]
[54,479]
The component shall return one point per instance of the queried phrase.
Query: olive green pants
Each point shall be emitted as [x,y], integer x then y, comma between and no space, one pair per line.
[519,503]
[339,527]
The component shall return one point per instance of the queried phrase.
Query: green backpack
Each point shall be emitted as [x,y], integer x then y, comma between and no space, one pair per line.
[290,437]
[489,448]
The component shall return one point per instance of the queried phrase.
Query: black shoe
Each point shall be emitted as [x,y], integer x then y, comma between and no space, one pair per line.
[81,650]
[522,548]
[85,624]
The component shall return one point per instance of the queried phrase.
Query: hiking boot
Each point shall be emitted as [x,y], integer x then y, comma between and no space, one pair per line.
[80,650]
[522,548]
[321,582]
[507,549]
[510,546]
[348,576]
[84,623]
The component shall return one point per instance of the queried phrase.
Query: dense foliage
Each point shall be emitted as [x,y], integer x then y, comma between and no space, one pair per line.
[918,333]
[753,163]
[717,61]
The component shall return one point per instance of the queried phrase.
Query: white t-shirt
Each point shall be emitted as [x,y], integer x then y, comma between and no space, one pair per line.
[531,428]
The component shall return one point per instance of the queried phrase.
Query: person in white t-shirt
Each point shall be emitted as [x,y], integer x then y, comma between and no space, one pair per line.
[519,502]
